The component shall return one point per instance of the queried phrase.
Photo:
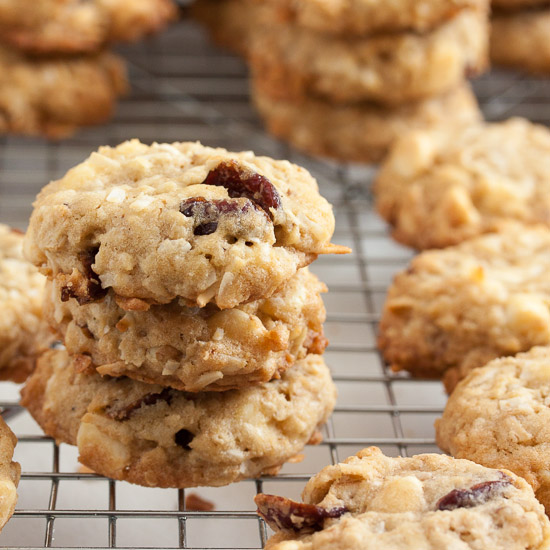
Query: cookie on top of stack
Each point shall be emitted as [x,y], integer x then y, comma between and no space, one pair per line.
[55,71]
[519,35]
[344,79]
[193,331]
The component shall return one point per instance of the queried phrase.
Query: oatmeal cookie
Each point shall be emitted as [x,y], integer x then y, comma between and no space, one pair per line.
[426,502]
[360,132]
[498,416]
[515,5]
[10,472]
[441,187]
[361,17]
[389,69]
[53,97]
[456,309]
[194,349]
[229,22]
[522,40]
[177,220]
[160,437]
[73,26]
[23,333]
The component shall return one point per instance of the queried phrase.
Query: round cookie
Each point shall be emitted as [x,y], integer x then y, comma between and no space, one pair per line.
[455,309]
[515,5]
[426,502]
[194,349]
[441,187]
[389,69]
[73,26]
[498,416]
[53,97]
[360,132]
[160,437]
[179,220]
[230,22]
[361,17]
[521,40]
[10,472]
[23,333]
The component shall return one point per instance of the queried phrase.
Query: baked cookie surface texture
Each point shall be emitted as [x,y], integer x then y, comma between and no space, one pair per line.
[456,309]
[388,69]
[194,349]
[499,415]
[23,332]
[442,187]
[361,132]
[72,26]
[361,17]
[10,472]
[53,97]
[425,502]
[160,437]
[520,40]
[166,221]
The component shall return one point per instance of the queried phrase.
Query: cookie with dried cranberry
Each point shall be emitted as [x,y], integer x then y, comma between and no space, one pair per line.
[161,437]
[10,472]
[194,349]
[372,502]
[179,220]
[498,416]
[23,332]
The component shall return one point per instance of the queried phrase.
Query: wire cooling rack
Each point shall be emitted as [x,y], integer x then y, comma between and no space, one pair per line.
[186,89]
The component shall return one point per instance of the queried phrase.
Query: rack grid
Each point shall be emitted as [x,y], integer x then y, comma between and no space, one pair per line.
[184,88]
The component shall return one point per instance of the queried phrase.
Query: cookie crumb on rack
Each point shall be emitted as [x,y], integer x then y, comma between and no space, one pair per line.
[196,503]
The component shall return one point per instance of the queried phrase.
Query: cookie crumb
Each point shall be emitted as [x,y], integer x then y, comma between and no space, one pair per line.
[196,503]
[296,459]
[81,469]
[316,438]
[83,364]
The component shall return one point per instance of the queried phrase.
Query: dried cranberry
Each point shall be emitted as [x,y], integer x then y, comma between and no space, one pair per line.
[207,213]
[88,287]
[474,496]
[283,514]
[183,438]
[245,183]
[125,413]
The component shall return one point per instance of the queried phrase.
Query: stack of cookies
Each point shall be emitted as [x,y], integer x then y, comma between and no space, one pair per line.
[520,35]
[345,79]
[55,72]
[193,334]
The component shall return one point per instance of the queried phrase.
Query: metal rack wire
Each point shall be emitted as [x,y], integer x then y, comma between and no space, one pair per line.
[185,88]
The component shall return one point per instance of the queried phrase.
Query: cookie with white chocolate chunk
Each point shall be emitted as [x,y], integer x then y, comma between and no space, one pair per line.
[373,502]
